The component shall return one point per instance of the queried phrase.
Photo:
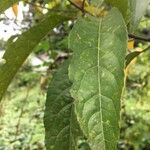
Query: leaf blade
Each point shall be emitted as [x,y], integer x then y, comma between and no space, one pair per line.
[131,56]
[62,130]
[17,52]
[94,93]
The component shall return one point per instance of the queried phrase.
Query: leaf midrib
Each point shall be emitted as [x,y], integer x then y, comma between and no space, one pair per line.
[99,78]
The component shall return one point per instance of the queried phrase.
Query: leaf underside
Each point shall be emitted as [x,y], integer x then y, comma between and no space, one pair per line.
[61,128]
[97,74]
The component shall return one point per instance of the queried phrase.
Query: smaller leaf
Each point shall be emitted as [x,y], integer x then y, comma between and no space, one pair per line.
[130,43]
[17,52]
[15,9]
[133,55]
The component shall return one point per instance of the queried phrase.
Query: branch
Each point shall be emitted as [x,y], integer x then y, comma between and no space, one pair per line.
[139,38]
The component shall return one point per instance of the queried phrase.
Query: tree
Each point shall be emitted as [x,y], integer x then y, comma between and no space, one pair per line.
[83,101]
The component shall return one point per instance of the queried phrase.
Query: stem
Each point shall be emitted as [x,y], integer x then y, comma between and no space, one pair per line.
[139,38]
[72,3]
[83,6]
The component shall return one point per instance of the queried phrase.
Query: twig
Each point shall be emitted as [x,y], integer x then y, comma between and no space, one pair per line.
[139,38]
[72,3]
[83,3]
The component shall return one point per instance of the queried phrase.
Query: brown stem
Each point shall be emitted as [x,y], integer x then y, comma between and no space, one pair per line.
[83,6]
[139,38]
[72,3]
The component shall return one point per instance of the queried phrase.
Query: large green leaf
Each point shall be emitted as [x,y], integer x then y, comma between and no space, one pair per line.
[137,8]
[61,127]
[17,52]
[122,5]
[4,4]
[97,73]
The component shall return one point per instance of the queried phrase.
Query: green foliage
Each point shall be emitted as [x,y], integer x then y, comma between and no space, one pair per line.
[97,74]
[138,9]
[133,55]
[21,115]
[18,51]
[83,103]
[135,130]
[121,5]
[61,128]
[97,3]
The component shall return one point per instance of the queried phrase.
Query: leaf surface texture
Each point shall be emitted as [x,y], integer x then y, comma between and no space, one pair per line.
[97,72]
[61,128]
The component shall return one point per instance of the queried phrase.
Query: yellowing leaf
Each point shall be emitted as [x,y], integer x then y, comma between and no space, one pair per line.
[95,11]
[130,44]
[15,9]
[4,4]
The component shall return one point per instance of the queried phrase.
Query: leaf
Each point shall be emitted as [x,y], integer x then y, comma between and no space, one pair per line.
[61,127]
[15,9]
[97,74]
[137,8]
[17,52]
[133,55]
[131,43]
[122,5]
[4,4]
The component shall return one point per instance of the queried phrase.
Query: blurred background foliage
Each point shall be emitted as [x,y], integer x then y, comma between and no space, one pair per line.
[21,110]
